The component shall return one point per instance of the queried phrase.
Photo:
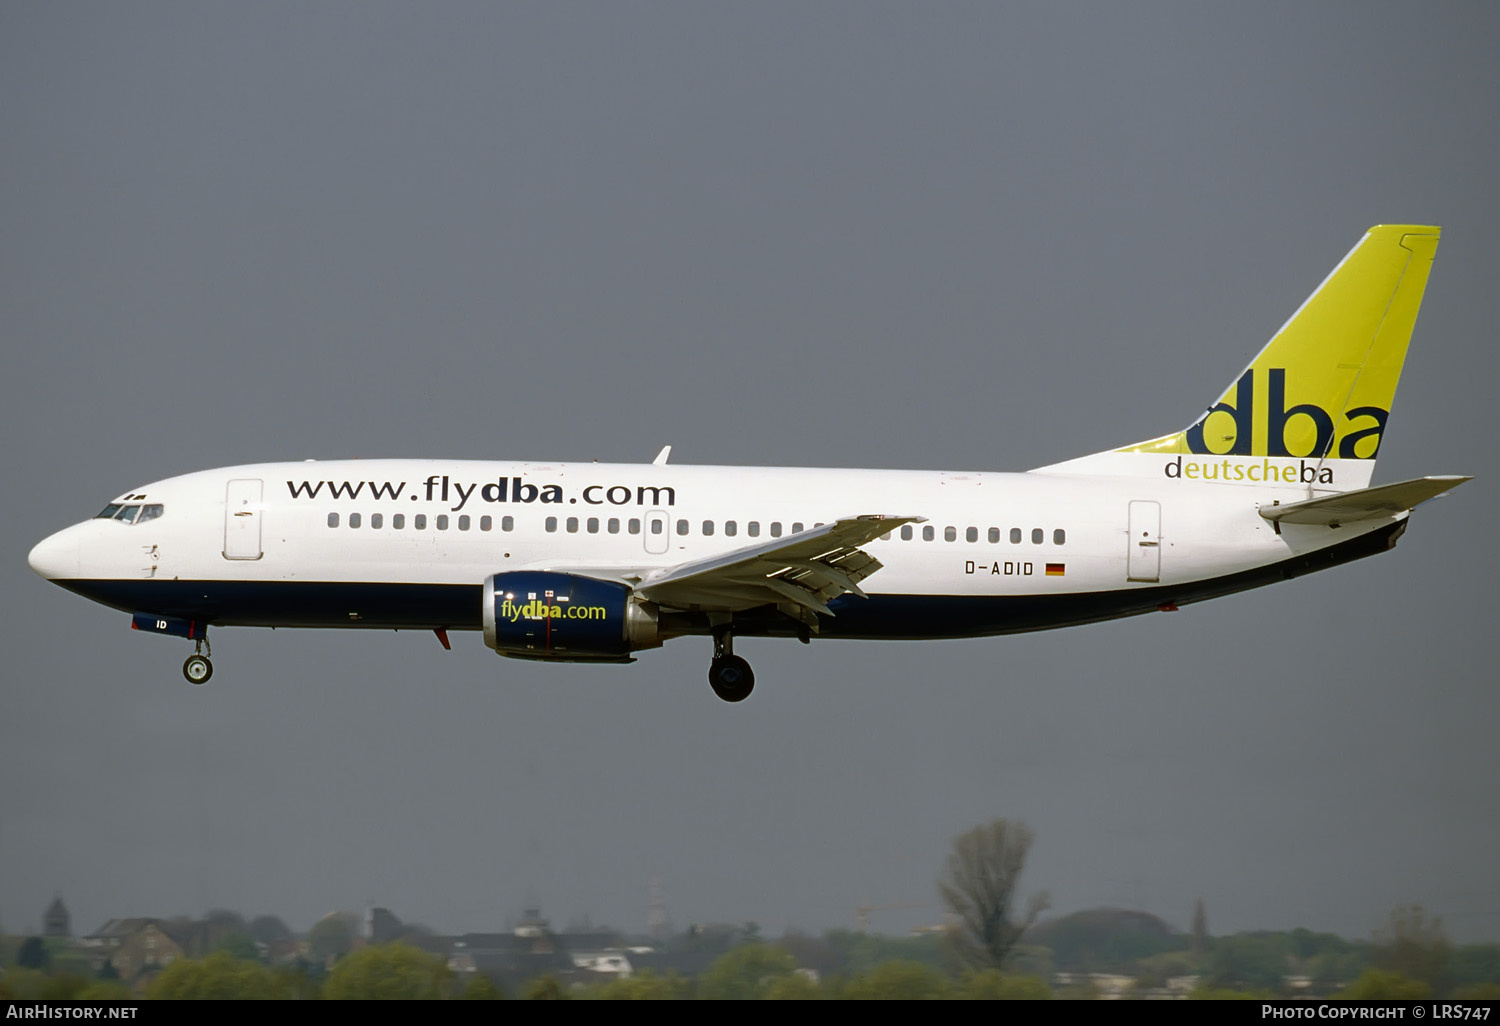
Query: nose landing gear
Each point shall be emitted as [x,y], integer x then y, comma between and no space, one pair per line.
[199,667]
[728,674]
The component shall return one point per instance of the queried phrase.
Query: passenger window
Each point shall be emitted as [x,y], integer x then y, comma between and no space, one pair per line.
[614,525]
[1059,536]
[950,534]
[551,525]
[376,519]
[442,522]
[656,526]
[353,519]
[928,533]
[108,512]
[572,525]
[634,527]
[463,522]
[333,520]
[708,528]
[886,536]
[776,529]
[753,528]
[593,525]
[149,513]
[486,523]
[730,528]
[796,528]
[1015,536]
[906,532]
[420,521]
[507,523]
[972,534]
[994,536]
[1036,536]
[398,521]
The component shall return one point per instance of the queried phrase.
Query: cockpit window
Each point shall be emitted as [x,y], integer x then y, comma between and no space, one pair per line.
[131,514]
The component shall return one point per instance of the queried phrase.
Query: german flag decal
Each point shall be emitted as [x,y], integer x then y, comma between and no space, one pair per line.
[1056,569]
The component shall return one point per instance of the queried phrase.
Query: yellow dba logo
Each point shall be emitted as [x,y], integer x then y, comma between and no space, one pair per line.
[1304,425]
[539,610]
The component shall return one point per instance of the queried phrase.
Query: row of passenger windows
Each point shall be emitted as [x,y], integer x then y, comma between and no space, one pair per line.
[633,526]
[731,527]
[971,534]
[419,521]
[464,522]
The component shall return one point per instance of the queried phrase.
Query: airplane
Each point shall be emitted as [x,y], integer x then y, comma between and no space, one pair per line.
[593,562]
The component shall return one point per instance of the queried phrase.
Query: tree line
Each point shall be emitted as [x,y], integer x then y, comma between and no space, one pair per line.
[994,948]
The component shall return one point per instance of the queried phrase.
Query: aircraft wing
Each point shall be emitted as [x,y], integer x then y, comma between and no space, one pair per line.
[1365,503]
[800,573]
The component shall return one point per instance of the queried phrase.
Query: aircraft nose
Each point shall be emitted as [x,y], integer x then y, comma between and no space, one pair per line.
[56,556]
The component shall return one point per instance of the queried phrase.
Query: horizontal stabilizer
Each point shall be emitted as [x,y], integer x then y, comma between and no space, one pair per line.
[1365,504]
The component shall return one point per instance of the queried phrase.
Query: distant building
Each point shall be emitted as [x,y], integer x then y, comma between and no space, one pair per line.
[532,949]
[534,926]
[55,921]
[138,946]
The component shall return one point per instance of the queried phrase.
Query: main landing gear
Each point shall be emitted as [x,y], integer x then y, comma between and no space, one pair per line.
[198,667]
[728,674]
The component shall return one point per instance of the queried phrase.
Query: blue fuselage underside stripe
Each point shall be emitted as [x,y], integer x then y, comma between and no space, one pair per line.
[457,606]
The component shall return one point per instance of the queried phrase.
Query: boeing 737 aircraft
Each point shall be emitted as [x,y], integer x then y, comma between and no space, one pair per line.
[592,562]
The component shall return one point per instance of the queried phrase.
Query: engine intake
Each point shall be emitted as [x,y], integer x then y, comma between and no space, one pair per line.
[537,614]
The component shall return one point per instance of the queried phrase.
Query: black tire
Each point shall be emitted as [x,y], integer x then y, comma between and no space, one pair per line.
[197,669]
[731,678]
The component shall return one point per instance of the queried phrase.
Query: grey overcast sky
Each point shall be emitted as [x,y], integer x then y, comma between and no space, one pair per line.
[976,236]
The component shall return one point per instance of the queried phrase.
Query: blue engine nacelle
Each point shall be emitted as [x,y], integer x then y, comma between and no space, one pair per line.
[537,614]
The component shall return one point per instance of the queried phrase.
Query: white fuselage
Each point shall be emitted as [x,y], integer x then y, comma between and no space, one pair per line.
[283,544]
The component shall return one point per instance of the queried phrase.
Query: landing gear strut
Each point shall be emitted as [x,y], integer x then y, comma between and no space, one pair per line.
[198,667]
[728,674]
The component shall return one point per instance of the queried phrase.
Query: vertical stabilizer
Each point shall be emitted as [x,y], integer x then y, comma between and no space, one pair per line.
[1320,392]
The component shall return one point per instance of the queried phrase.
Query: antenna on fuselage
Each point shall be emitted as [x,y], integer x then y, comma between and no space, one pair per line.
[661,457]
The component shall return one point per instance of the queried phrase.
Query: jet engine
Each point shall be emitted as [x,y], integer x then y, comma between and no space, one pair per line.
[536,614]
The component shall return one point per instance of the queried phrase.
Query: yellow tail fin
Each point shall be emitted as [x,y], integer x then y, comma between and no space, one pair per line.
[1322,388]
